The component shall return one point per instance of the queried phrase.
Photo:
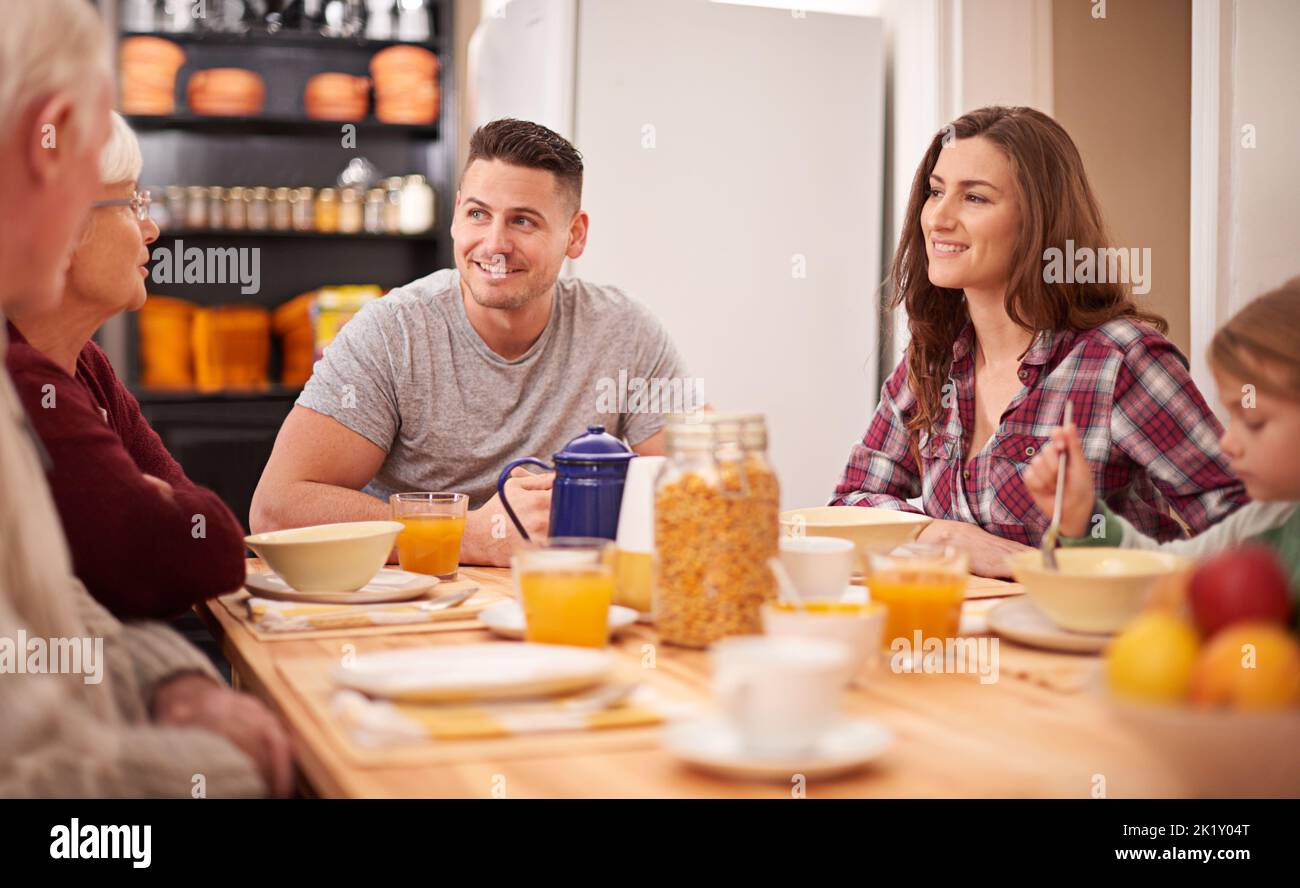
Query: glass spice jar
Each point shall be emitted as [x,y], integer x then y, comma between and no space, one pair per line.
[302,204]
[259,209]
[236,210]
[216,207]
[349,211]
[196,207]
[373,212]
[175,195]
[393,208]
[281,212]
[716,527]
[416,214]
[327,211]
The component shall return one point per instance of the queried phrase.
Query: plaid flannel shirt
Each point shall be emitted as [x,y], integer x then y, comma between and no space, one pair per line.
[1149,436]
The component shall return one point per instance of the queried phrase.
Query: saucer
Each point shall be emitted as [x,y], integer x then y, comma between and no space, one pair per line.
[506,618]
[711,744]
[390,584]
[1019,620]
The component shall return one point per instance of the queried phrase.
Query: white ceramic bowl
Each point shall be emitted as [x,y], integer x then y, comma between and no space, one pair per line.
[869,529]
[1096,589]
[859,625]
[327,557]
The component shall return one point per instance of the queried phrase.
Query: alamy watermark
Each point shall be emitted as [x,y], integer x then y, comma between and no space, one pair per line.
[41,656]
[636,394]
[215,265]
[1098,265]
[968,655]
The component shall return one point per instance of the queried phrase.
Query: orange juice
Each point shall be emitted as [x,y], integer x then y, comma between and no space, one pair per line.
[918,598]
[430,544]
[567,606]
[634,580]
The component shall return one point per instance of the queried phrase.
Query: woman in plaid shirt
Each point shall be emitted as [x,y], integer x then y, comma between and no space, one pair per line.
[998,345]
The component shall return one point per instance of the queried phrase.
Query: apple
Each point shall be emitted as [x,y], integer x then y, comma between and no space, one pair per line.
[1251,665]
[1242,584]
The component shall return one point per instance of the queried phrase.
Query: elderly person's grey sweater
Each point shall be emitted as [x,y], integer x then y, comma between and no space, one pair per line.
[62,736]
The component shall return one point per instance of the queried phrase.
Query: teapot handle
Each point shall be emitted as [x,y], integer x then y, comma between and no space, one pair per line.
[501,488]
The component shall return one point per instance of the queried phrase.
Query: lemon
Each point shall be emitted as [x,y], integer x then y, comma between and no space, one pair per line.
[1153,658]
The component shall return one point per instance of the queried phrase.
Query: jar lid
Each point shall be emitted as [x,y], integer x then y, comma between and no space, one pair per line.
[413,179]
[596,444]
[235,193]
[708,429]
[327,194]
[282,193]
[261,192]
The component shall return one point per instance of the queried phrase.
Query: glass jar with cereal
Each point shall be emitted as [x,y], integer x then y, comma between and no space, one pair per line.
[716,527]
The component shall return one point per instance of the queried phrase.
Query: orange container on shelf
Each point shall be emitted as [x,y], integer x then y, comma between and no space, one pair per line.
[166,348]
[406,85]
[232,347]
[226,92]
[293,324]
[334,96]
[148,67]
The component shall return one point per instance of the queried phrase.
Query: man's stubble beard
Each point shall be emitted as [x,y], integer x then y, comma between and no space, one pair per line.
[512,302]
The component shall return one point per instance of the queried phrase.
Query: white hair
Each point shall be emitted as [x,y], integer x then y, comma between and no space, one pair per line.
[48,47]
[120,160]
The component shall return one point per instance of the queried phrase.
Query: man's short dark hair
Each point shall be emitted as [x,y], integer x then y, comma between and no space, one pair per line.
[527,144]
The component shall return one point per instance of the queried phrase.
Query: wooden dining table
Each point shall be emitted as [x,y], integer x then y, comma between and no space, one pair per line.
[1041,729]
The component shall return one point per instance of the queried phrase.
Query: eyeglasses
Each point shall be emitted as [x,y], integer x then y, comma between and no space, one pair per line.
[138,202]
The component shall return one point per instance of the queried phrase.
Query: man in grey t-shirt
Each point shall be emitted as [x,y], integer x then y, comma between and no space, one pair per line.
[443,381]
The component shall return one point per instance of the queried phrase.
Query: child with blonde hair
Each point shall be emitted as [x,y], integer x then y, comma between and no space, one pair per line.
[1255,359]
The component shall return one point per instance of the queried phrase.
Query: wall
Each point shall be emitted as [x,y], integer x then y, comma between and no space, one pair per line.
[1122,88]
[1266,189]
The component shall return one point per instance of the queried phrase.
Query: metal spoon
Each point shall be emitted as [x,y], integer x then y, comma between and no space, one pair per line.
[1049,538]
[451,599]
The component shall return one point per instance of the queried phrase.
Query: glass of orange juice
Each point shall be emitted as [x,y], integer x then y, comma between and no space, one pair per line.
[566,586]
[434,525]
[922,588]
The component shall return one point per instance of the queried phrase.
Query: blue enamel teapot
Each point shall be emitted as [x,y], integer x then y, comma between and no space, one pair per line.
[588,488]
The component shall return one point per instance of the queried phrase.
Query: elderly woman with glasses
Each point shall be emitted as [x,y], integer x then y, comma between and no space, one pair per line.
[145,540]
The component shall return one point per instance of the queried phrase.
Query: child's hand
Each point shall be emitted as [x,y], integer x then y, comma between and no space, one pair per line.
[1040,480]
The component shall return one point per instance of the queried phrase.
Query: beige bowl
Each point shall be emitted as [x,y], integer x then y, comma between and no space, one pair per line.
[327,557]
[1096,590]
[869,529]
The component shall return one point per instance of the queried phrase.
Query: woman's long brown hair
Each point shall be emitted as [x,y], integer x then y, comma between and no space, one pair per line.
[1056,204]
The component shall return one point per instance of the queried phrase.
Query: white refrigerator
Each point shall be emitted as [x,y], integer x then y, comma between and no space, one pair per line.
[734,175]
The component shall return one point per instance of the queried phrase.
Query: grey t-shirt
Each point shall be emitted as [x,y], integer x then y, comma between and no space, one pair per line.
[410,374]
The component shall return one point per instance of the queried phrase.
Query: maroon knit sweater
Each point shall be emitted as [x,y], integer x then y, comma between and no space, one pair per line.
[140,555]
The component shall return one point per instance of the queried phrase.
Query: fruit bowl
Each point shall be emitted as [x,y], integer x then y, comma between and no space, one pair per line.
[1219,752]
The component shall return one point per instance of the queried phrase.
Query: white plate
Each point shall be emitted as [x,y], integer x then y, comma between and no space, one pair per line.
[475,671]
[1019,619]
[711,744]
[506,618]
[389,584]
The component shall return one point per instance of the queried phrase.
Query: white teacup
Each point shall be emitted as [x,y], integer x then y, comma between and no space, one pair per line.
[819,567]
[780,694]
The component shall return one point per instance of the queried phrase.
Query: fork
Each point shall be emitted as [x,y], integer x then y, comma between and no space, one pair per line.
[1053,531]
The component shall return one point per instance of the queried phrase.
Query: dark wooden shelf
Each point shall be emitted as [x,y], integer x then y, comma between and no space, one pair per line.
[427,237]
[275,125]
[146,395]
[262,39]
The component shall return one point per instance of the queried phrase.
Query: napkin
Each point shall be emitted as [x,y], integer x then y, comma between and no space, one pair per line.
[288,616]
[383,723]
